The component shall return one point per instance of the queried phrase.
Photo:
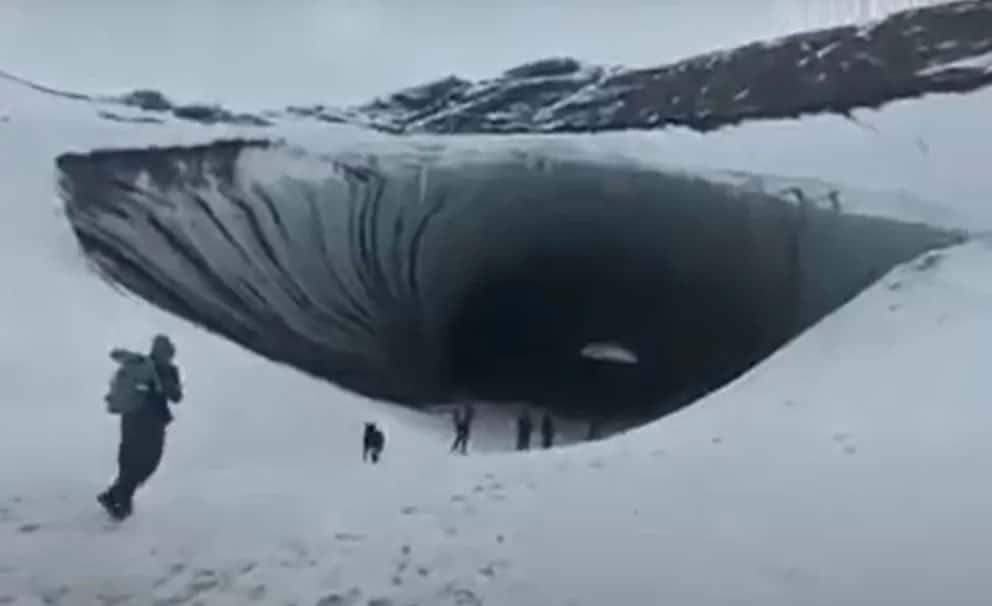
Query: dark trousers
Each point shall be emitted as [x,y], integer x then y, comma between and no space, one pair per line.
[138,456]
[461,441]
[523,441]
[371,452]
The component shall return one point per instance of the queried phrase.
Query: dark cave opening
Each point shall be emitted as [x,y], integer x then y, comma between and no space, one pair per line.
[523,266]
[518,334]
[699,281]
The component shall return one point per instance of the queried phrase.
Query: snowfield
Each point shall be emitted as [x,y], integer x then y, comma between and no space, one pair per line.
[851,468]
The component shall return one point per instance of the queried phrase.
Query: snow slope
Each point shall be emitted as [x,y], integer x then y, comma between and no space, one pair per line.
[59,322]
[847,469]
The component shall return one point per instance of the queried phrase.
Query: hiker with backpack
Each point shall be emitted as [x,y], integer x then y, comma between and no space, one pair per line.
[140,392]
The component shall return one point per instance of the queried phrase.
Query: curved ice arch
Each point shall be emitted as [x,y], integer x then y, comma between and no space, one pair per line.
[374,270]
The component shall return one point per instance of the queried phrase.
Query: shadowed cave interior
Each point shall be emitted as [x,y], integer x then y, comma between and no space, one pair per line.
[518,334]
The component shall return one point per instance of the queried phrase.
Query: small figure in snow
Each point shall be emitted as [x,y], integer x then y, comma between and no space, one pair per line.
[547,430]
[525,426]
[373,442]
[594,432]
[463,428]
[140,392]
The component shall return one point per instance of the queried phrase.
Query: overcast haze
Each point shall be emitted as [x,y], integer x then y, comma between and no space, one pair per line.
[253,52]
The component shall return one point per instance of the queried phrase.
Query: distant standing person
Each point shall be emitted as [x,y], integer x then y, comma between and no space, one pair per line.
[463,418]
[547,430]
[525,426]
[140,392]
[594,431]
[373,442]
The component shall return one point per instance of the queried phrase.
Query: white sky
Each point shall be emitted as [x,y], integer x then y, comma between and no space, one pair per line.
[255,51]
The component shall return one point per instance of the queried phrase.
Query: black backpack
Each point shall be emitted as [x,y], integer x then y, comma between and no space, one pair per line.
[133,380]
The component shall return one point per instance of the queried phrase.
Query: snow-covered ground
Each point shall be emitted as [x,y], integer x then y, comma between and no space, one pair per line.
[850,468]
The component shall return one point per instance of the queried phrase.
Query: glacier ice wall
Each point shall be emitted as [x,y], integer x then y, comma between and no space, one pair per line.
[422,271]
[420,274]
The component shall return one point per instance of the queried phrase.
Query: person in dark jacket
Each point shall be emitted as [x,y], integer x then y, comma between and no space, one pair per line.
[373,441]
[525,426]
[547,430]
[463,428]
[142,439]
